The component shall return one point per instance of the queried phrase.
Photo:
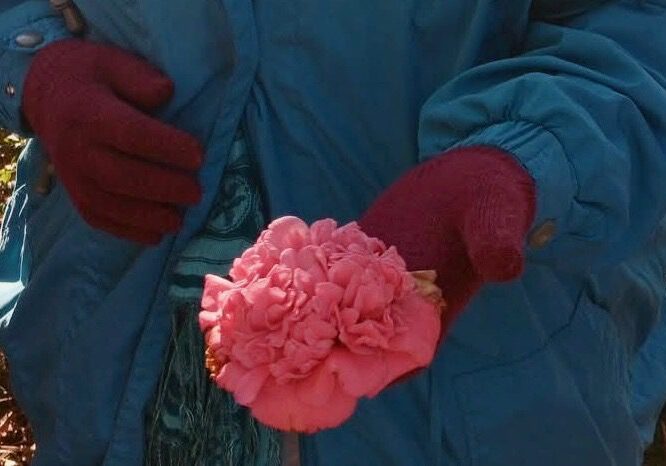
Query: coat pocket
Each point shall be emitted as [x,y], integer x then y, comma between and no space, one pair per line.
[565,404]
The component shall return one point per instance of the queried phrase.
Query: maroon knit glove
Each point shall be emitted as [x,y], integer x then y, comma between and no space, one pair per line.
[126,172]
[465,214]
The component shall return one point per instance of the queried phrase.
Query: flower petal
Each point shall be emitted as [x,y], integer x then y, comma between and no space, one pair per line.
[370,299]
[422,328]
[213,286]
[316,390]
[288,232]
[229,376]
[208,320]
[321,230]
[358,375]
[279,407]
[250,384]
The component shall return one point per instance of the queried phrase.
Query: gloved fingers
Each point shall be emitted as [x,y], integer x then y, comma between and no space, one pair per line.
[494,231]
[124,231]
[137,134]
[118,173]
[134,79]
[135,213]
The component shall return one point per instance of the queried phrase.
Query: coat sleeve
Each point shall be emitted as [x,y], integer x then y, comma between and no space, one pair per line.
[39,20]
[583,108]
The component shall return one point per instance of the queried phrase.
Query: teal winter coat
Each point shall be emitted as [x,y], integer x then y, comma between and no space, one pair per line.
[565,366]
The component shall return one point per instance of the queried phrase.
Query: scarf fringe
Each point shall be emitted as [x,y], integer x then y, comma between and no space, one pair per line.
[193,422]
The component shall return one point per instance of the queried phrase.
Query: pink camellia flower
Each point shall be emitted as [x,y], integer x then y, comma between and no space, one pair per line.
[315,318]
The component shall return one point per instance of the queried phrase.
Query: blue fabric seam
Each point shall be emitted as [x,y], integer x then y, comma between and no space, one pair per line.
[530,354]
[659,4]
[478,129]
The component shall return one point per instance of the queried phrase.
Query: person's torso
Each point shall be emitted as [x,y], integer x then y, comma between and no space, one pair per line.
[331,92]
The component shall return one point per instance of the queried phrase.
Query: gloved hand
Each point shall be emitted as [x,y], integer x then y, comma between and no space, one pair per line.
[126,172]
[465,214]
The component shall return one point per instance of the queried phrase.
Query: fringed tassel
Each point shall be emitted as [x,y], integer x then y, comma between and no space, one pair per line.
[193,422]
